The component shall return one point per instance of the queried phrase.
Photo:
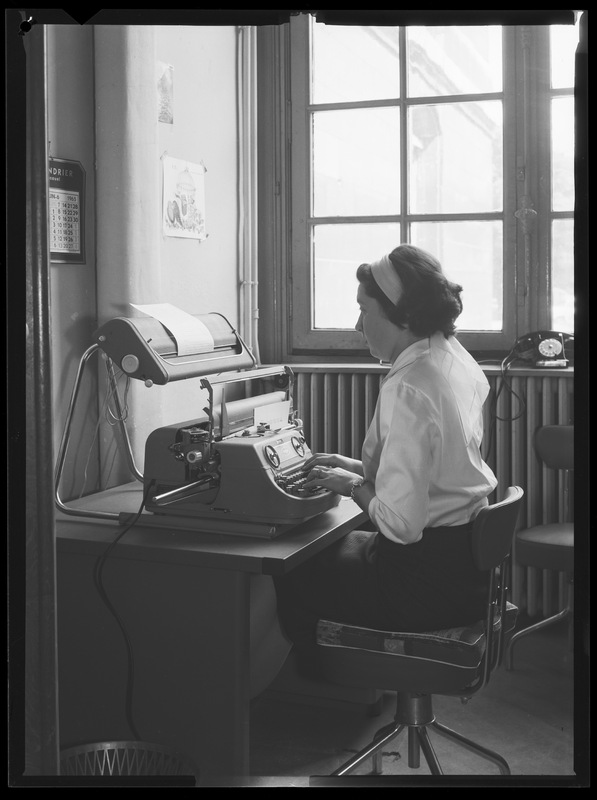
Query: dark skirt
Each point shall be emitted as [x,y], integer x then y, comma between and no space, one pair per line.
[366,579]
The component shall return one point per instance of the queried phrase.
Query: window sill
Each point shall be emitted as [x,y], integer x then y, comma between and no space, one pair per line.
[488,369]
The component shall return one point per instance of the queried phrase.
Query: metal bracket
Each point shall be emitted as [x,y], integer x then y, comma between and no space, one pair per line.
[66,438]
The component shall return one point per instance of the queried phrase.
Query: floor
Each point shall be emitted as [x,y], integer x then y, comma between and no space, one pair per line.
[526,714]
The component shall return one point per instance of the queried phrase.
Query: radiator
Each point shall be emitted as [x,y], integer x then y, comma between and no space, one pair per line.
[336,405]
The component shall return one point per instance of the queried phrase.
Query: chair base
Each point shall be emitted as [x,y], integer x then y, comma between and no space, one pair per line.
[565,613]
[415,714]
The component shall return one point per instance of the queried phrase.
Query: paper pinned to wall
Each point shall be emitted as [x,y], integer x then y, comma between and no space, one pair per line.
[183,201]
[190,334]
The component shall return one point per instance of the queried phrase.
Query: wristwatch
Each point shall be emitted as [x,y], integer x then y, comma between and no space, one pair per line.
[356,484]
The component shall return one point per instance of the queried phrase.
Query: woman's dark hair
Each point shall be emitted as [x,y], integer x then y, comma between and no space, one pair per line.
[429,303]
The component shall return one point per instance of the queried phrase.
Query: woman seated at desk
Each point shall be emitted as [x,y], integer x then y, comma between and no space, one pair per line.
[422,479]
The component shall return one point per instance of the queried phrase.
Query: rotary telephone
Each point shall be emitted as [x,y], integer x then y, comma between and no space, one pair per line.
[544,349]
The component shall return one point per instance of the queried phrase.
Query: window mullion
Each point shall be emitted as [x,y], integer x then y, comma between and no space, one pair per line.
[274,192]
[404,137]
[519,203]
[537,183]
[300,301]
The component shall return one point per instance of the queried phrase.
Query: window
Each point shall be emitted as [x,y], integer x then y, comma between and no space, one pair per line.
[429,135]
[563,41]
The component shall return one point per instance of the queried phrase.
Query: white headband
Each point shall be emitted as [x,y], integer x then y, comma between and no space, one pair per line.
[387,278]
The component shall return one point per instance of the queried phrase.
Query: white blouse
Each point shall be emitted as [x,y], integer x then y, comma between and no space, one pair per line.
[422,449]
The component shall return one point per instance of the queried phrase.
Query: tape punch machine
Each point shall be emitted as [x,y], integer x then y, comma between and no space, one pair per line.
[237,468]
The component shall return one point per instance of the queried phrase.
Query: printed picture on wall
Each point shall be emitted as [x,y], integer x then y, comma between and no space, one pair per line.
[184,199]
[165,79]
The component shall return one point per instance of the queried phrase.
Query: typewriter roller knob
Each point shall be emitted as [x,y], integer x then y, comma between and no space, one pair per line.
[272,456]
[129,363]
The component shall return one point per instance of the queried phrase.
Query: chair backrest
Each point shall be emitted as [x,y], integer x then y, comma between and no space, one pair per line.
[494,528]
[554,444]
[492,536]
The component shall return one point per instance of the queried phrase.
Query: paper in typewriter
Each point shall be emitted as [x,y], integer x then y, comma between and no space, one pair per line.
[274,414]
[190,334]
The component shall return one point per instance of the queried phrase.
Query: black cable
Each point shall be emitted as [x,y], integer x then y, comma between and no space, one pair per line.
[503,383]
[97,579]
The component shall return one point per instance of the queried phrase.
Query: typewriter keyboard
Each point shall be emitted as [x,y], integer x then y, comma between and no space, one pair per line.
[293,483]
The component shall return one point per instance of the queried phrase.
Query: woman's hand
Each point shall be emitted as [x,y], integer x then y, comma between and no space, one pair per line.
[336,479]
[334,460]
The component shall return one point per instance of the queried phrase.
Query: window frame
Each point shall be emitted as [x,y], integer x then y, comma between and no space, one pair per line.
[284,235]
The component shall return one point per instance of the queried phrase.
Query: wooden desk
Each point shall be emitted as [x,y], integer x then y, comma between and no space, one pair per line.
[184,599]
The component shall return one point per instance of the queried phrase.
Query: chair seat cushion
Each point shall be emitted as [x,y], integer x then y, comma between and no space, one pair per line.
[546,547]
[445,659]
[464,645]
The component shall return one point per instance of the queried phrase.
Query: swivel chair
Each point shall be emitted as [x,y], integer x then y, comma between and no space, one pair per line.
[550,546]
[417,666]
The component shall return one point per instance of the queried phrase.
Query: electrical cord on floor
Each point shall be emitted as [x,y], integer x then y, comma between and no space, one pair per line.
[98,581]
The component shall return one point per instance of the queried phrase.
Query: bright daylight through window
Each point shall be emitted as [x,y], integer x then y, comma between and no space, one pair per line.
[435,135]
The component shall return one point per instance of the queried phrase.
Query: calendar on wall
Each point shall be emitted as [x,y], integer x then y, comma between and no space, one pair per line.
[66,211]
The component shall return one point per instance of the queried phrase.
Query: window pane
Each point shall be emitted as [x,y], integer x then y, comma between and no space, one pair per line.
[471,255]
[563,42]
[562,275]
[455,157]
[338,250]
[354,63]
[356,162]
[454,60]
[562,153]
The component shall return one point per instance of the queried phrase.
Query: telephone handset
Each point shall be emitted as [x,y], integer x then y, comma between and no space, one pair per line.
[543,349]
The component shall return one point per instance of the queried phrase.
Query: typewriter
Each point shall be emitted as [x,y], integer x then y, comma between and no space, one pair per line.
[241,471]
[239,466]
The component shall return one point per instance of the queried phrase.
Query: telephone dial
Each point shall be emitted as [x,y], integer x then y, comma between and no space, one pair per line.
[544,349]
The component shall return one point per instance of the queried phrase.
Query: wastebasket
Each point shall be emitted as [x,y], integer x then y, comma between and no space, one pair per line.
[125,758]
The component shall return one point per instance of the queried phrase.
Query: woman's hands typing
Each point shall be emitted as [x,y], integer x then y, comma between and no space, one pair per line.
[334,460]
[333,471]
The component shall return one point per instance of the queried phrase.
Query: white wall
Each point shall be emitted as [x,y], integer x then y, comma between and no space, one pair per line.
[202,276]
[95,119]
[72,286]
